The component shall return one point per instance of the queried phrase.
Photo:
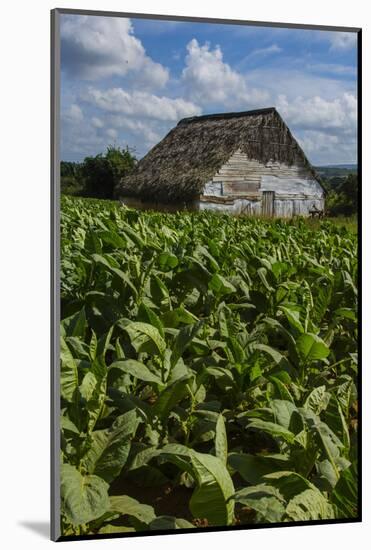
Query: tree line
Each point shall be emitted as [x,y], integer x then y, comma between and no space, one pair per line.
[341,195]
[97,176]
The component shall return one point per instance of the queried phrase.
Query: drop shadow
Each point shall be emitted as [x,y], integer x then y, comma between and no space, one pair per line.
[41,528]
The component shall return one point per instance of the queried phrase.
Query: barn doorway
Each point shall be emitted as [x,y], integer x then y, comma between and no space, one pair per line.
[268,204]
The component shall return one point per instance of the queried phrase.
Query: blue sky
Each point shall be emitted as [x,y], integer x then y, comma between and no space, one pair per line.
[127,82]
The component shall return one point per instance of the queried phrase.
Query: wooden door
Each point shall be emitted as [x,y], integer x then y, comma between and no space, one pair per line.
[268,204]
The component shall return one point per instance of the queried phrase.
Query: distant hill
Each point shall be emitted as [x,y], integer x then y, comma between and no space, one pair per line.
[336,170]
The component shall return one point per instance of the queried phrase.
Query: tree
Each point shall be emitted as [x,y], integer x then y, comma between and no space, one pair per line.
[350,189]
[71,180]
[343,201]
[102,173]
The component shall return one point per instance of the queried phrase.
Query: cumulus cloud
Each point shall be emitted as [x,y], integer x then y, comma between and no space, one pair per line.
[148,133]
[97,122]
[208,79]
[112,133]
[80,138]
[319,113]
[141,104]
[324,148]
[326,129]
[73,114]
[342,40]
[101,47]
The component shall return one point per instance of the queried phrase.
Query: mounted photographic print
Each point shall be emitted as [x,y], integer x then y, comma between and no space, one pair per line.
[205,216]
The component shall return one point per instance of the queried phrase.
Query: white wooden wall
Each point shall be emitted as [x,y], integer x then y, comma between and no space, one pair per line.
[238,186]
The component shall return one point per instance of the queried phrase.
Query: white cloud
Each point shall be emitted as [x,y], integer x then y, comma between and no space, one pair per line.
[73,114]
[324,148]
[208,79]
[342,40]
[97,122]
[149,133]
[142,104]
[293,82]
[326,129]
[80,140]
[100,47]
[318,113]
[112,133]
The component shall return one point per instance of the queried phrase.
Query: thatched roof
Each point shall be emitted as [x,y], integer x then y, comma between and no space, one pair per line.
[177,168]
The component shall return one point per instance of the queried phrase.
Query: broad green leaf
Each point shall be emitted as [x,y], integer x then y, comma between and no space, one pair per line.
[176,316]
[221,442]
[211,499]
[147,315]
[183,340]
[101,260]
[84,498]
[113,239]
[140,333]
[128,506]
[168,522]
[281,389]
[69,378]
[317,400]
[345,495]
[283,412]
[277,357]
[309,505]
[110,448]
[253,468]
[202,251]
[88,386]
[293,318]
[328,442]
[136,369]
[79,349]
[264,499]
[346,313]
[326,470]
[288,483]
[93,347]
[272,428]
[68,426]
[311,348]
[334,418]
[170,397]
[262,273]
[167,261]
[75,325]
[220,285]
[178,455]
[143,456]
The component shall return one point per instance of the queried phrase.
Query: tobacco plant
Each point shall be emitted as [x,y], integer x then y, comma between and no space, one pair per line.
[211,359]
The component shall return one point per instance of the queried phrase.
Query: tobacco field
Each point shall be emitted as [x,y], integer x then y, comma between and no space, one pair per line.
[208,370]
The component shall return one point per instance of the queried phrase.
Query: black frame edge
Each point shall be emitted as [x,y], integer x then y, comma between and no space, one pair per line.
[55,271]
[242,22]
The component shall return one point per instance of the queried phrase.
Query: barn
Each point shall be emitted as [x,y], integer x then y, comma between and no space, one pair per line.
[243,163]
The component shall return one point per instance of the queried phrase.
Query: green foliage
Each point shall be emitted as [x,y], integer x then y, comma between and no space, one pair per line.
[210,358]
[97,176]
[342,196]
